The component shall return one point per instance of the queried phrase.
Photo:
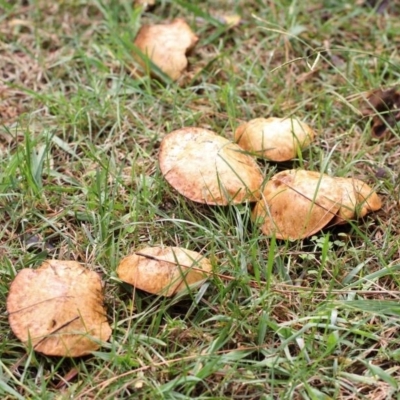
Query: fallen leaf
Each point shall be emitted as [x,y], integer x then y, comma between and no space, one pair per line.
[165,271]
[379,5]
[166,46]
[66,379]
[384,108]
[58,309]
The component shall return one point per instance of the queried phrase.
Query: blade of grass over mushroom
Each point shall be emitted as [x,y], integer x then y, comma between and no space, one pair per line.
[165,271]
[297,203]
[150,66]
[276,139]
[252,190]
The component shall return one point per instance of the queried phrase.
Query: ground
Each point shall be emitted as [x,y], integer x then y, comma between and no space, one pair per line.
[79,180]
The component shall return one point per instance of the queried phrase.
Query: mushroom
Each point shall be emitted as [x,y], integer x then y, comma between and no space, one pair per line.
[208,168]
[164,271]
[276,139]
[358,199]
[166,46]
[145,3]
[58,309]
[297,203]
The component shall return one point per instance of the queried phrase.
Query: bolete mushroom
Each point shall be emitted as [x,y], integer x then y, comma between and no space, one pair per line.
[58,309]
[277,139]
[208,168]
[297,203]
[164,271]
[166,46]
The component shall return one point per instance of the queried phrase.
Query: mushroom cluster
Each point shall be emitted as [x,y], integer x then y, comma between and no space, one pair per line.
[293,204]
[58,308]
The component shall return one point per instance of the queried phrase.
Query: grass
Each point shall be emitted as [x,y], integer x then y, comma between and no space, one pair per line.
[79,180]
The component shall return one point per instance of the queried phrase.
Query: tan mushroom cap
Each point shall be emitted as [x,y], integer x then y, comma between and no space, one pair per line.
[165,271]
[208,168]
[297,203]
[58,309]
[358,199]
[277,139]
[166,45]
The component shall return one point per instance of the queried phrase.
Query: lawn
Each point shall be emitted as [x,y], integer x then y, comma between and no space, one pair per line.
[316,318]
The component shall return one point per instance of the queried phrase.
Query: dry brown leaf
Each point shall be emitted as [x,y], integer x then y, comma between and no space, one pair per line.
[67,378]
[297,203]
[380,5]
[166,46]
[208,168]
[277,139]
[384,108]
[164,271]
[58,309]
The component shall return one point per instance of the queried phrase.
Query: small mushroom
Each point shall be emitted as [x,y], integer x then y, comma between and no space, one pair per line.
[358,199]
[58,309]
[297,203]
[145,3]
[276,139]
[208,168]
[166,46]
[164,271]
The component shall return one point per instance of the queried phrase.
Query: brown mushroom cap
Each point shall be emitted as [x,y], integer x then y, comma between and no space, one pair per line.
[164,271]
[297,203]
[208,168]
[277,139]
[358,199]
[166,45]
[58,309]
